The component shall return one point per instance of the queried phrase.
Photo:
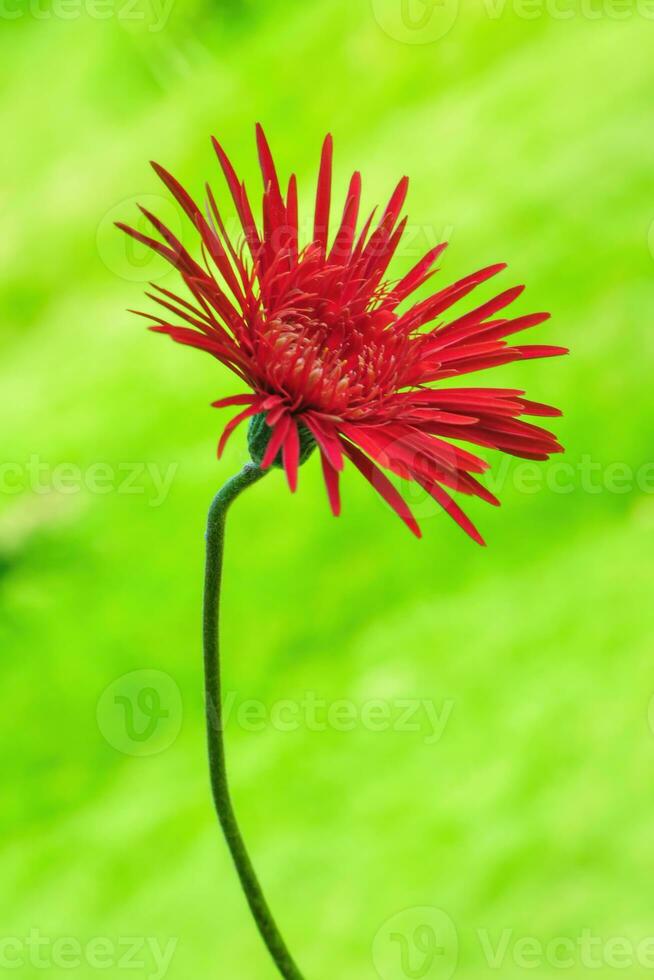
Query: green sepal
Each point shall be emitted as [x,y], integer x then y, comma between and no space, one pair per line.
[259,434]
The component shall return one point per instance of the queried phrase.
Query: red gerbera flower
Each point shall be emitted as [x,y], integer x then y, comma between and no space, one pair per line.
[332,352]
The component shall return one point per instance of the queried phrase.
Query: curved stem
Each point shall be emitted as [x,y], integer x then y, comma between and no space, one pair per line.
[213,576]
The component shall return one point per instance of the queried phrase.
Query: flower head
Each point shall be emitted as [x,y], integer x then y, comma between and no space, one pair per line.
[334,354]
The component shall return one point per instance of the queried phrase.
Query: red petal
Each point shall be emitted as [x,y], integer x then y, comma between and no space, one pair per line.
[538,409]
[539,350]
[331,482]
[414,278]
[292,216]
[342,247]
[453,510]
[241,201]
[503,328]
[268,170]
[234,400]
[430,308]
[383,486]
[176,190]
[396,203]
[191,338]
[277,436]
[231,425]
[323,197]
[327,440]
[457,329]
[291,455]
[178,260]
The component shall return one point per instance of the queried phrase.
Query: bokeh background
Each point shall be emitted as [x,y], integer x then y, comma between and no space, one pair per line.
[505,826]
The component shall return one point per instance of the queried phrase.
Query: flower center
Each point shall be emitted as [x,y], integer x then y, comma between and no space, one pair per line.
[343,367]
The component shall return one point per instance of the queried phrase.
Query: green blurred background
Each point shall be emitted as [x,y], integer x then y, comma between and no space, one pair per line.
[525,816]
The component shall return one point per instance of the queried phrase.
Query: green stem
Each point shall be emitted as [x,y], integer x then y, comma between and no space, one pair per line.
[213,576]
